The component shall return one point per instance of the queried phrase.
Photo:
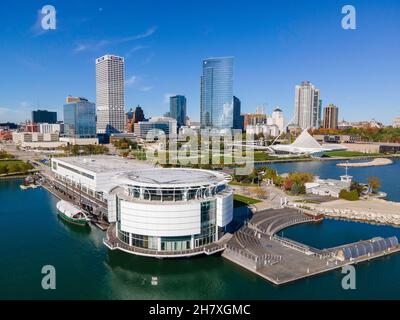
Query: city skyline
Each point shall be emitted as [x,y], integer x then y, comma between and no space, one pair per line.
[347,73]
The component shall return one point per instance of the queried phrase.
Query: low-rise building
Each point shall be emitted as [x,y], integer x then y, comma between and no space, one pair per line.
[329,187]
[50,128]
[166,125]
[36,140]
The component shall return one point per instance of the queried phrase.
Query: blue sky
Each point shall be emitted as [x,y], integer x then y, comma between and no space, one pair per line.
[276,44]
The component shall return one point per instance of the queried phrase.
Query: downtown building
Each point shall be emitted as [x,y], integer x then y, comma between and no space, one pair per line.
[132,117]
[331,116]
[110,94]
[79,121]
[178,110]
[396,122]
[216,101]
[307,106]
[154,126]
[44,116]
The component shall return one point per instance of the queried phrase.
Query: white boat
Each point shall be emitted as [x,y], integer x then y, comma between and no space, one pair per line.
[71,213]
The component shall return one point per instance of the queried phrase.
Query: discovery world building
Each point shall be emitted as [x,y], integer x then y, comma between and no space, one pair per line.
[152,211]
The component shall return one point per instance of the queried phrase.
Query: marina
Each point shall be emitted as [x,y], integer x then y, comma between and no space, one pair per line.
[223,279]
[256,246]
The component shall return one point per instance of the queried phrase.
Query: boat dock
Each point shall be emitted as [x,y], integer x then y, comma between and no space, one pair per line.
[257,248]
[95,208]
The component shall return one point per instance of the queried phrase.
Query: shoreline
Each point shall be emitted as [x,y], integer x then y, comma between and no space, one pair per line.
[378,162]
[366,157]
[14,176]
[382,212]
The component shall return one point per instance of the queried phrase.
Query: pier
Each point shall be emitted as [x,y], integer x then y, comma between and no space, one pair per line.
[257,247]
[96,209]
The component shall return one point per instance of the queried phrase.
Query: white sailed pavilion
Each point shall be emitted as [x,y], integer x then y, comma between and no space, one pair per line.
[306,144]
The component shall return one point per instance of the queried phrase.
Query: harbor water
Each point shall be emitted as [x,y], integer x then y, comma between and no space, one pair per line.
[32,236]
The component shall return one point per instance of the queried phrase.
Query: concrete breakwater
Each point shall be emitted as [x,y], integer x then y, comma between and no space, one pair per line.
[374,163]
[377,211]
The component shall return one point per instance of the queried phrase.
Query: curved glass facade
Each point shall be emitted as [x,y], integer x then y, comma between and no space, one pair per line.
[174,194]
[217,93]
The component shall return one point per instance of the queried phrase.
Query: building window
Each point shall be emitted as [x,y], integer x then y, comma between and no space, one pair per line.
[175,243]
[208,224]
[123,236]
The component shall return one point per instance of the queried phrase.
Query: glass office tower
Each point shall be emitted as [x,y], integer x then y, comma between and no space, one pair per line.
[79,118]
[216,105]
[178,110]
[237,116]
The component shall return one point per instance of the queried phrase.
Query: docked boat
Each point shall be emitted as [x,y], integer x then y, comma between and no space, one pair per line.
[72,214]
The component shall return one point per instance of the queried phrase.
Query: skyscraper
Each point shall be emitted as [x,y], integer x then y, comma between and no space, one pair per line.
[238,119]
[79,118]
[331,114]
[216,104]
[177,109]
[307,106]
[110,94]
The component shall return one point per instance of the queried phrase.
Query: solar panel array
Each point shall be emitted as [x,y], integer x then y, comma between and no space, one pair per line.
[369,247]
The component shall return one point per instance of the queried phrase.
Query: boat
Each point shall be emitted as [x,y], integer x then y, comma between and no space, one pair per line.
[71,213]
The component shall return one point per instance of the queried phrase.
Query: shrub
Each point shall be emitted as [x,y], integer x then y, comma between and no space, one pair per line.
[349,195]
[298,188]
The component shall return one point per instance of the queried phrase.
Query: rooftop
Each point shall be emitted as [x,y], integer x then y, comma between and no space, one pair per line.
[104,163]
[173,177]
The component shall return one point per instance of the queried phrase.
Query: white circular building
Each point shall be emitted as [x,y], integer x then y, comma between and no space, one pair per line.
[169,212]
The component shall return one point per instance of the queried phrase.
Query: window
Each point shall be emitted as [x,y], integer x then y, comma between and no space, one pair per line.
[175,243]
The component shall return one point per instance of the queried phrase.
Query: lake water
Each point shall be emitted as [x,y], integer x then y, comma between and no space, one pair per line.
[32,235]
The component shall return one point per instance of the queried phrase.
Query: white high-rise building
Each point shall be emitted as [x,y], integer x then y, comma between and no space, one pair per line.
[110,94]
[278,119]
[396,122]
[307,106]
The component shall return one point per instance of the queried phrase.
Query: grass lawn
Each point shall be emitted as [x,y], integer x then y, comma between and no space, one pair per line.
[262,156]
[349,154]
[244,201]
[14,166]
